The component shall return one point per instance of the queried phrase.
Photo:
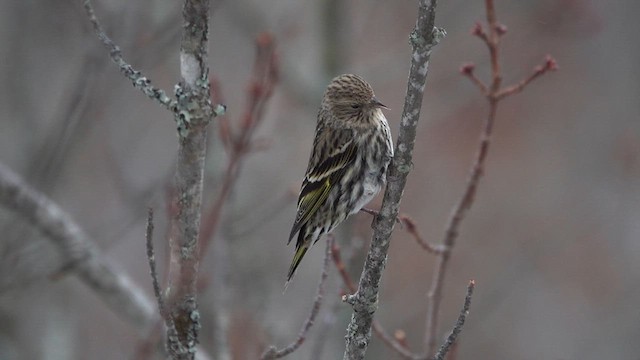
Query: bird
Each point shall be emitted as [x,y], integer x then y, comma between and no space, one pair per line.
[351,152]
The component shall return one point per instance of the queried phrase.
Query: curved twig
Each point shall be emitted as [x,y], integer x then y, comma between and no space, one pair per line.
[272,352]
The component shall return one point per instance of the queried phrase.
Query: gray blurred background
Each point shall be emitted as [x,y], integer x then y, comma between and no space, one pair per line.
[552,240]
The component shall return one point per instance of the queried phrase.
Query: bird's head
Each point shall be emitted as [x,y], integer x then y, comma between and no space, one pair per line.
[348,96]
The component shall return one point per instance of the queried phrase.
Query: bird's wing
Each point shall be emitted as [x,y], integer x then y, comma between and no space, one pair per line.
[323,174]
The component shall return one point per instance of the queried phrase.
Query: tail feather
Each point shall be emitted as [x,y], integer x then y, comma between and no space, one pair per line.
[302,245]
[300,251]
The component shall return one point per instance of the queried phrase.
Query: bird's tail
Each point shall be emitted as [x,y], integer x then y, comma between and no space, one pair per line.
[300,251]
[302,245]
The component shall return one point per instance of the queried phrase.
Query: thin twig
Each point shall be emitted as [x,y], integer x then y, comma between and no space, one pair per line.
[494,93]
[239,143]
[451,339]
[412,229]
[467,70]
[152,265]
[549,65]
[273,352]
[139,81]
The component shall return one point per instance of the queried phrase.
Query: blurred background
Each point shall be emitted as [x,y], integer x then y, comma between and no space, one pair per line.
[552,240]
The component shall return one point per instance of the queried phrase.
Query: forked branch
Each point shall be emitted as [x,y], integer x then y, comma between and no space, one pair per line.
[493,93]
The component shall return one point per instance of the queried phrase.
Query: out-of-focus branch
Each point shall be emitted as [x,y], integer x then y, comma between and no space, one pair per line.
[83,258]
[152,266]
[139,81]
[494,93]
[365,301]
[240,142]
[273,352]
[550,64]
[412,229]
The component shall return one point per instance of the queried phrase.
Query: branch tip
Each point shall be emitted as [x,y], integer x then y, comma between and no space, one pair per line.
[550,63]
[468,68]
[477,29]
[265,39]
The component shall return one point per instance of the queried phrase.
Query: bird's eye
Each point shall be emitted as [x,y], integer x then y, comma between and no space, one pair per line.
[355,106]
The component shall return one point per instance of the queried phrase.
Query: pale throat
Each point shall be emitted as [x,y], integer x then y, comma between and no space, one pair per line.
[378,117]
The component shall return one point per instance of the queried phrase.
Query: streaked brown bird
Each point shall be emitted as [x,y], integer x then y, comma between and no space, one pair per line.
[347,168]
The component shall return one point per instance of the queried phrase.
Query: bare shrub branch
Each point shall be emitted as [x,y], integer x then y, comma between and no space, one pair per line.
[239,141]
[494,93]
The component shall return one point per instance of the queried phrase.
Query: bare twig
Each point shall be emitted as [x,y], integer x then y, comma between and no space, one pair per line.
[239,142]
[365,301]
[152,265]
[494,93]
[107,281]
[550,64]
[273,352]
[467,70]
[451,339]
[136,77]
[412,229]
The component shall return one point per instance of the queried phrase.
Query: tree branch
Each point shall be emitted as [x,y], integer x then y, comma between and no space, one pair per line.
[193,114]
[260,89]
[424,37]
[152,266]
[412,229]
[139,81]
[494,93]
[82,257]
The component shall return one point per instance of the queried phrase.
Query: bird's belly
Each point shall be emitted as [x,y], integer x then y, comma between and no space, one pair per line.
[372,186]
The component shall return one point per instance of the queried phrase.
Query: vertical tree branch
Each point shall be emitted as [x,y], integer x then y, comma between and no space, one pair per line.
[423,38]
[193,114]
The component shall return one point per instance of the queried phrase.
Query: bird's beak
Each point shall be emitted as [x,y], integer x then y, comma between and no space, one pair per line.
[375,102]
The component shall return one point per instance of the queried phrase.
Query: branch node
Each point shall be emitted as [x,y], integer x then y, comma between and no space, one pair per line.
[219,109]
[478,30]
[501,29]
[350,298]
